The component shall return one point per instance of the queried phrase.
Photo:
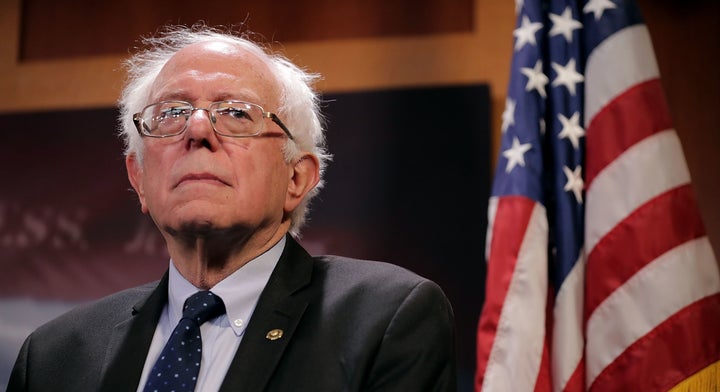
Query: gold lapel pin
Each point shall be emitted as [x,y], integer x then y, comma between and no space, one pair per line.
[274,334]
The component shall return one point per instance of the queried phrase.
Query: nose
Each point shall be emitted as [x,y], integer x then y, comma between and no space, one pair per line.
[200,132]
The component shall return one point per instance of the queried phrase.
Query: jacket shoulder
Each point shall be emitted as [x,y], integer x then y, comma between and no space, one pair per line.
[368,281]
[103,312]
[360,271]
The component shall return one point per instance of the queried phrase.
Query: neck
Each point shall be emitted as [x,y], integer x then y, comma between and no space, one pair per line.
[206,257]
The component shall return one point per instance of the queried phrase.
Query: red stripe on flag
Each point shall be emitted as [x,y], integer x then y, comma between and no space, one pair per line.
[626,124]
[676,349]
[658,226]
[576,383]
[543,383]
[509,227]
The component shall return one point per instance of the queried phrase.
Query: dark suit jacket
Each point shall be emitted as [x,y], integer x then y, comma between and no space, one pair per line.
[349,325]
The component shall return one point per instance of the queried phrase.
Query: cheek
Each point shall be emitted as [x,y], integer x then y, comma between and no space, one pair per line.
[156,175]
[257,181]
[263,179]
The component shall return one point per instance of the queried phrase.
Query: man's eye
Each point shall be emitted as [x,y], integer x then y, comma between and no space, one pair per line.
[234,113]
[173,112]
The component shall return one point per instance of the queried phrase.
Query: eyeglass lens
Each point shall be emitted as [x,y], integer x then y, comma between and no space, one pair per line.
[228,117]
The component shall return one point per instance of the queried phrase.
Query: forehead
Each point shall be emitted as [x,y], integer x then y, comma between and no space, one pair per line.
[214,71]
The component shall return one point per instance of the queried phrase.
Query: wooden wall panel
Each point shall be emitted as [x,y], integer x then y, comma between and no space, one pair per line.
[60,29]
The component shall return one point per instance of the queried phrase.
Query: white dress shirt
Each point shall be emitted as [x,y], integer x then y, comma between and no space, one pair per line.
[220,336]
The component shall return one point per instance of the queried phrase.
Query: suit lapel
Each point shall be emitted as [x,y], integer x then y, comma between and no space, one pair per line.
[130,342]
[280,308]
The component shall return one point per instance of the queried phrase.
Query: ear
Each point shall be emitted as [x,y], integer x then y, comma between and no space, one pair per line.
[135,175]
[304,176]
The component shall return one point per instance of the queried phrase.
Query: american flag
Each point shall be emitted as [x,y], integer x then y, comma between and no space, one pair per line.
[600,273]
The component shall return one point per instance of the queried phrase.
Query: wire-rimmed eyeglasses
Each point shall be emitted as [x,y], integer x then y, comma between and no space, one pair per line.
[228,118]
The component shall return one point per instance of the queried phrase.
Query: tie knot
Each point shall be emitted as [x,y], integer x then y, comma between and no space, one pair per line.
[203,306]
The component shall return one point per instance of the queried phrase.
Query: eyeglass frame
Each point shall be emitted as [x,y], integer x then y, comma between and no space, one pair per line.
[138,121]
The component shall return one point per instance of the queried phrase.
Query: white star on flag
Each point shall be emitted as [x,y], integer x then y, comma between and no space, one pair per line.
[508,116]
[516,154]
[536,78]
[597,7]
[574,182]
[564,24]
[526,33]
[567,76]
[571,129]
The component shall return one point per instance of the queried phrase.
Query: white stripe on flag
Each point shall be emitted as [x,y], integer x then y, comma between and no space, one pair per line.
[652,295]
[516,353]
[568,340]
[631,180]
[626,55]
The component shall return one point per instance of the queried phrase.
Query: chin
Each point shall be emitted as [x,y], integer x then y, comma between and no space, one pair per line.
[205,228]
[193,228]
[199,226]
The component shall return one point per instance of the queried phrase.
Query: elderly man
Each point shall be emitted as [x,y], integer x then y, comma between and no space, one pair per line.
[225,149]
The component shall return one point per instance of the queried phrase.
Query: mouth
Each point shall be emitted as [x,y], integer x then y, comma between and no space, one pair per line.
[200,178]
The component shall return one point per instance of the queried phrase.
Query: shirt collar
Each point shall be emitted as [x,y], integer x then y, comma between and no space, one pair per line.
[240,291]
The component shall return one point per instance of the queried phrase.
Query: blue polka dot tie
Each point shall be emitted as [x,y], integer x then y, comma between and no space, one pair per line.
[179,363]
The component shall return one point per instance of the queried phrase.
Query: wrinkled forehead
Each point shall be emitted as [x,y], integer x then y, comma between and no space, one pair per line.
[233,69]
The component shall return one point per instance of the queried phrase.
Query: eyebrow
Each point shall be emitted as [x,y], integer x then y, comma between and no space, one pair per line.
[173,96]
[224,96]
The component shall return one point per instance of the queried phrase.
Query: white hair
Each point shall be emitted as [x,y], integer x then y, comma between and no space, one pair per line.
[299,102]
